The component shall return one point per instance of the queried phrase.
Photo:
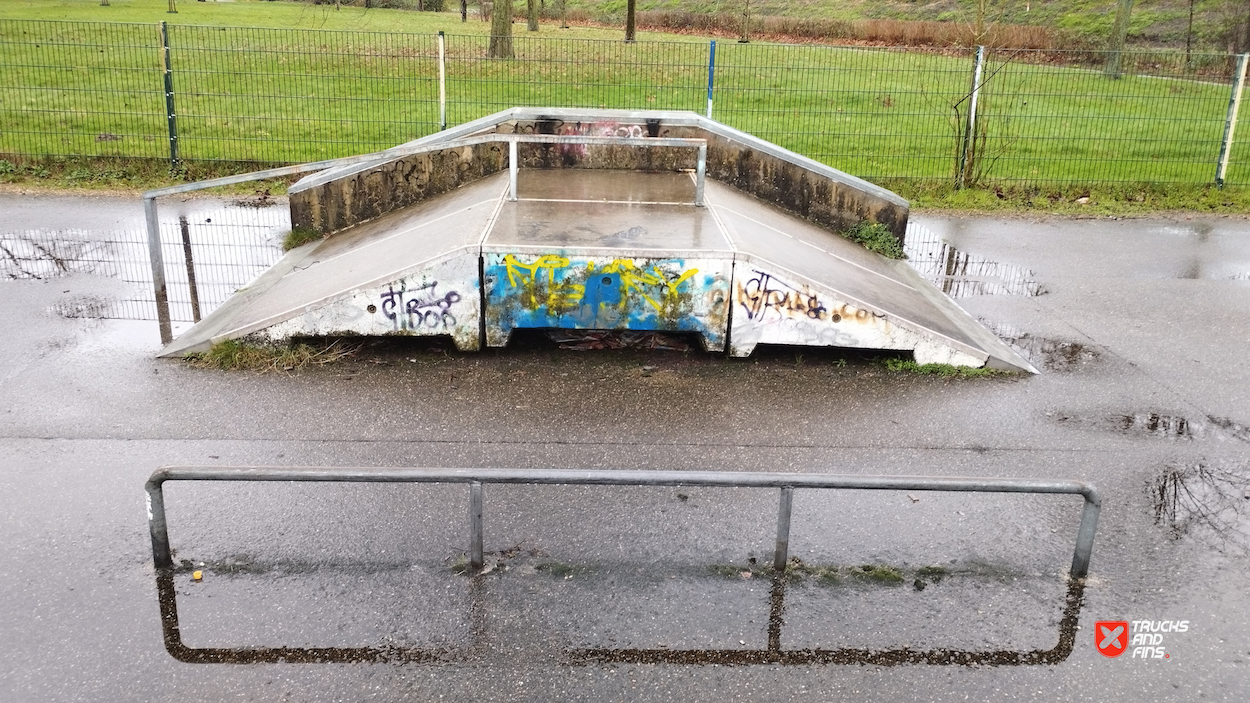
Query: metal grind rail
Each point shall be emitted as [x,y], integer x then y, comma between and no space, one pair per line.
[152,217]
[477,478]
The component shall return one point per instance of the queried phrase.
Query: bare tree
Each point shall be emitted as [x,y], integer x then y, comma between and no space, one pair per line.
[501,30]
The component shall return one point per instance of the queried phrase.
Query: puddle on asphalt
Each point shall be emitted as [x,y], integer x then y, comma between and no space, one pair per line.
[960,274]
[1159,425]
[228,244]
[1044,352]
[1205,502]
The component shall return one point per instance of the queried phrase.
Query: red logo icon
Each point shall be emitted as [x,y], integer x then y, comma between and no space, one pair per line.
[1111,637]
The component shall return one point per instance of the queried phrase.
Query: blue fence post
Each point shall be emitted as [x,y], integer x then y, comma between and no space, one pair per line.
[711,67]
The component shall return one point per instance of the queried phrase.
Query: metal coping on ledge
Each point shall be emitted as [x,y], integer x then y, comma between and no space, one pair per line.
[476,478]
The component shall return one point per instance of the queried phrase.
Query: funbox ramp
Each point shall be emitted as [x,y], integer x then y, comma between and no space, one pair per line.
[601,249]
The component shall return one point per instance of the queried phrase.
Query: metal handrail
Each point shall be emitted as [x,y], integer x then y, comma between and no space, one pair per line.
[787,483]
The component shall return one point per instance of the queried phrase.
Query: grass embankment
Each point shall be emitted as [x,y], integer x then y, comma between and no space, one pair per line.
[292,94]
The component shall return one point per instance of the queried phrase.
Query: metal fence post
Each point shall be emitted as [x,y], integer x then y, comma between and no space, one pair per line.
[475,525]
[185,229]
[169,97]
[442,81]
[782,553]
[969,142]
[1230,121]
[157,258]
[711,67]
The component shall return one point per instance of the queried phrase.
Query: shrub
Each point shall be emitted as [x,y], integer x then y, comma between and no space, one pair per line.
[875,237]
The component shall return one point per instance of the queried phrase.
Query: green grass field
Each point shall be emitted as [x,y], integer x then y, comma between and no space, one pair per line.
[282,82]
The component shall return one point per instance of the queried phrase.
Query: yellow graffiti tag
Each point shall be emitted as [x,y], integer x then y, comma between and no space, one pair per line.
[528,277]
[633,279]
[539,286]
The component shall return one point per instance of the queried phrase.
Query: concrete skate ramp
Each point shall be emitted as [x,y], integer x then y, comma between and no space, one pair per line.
[600,249]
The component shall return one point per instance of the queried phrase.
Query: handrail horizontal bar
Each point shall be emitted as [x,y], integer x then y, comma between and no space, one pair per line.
[621,478]
[476,478]
[410,150]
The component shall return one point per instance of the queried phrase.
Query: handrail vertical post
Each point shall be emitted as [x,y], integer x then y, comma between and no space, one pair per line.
[782,553]
[700,175]
[157,259]
[512,169]
[475,525]
[161,556]
[1085,537]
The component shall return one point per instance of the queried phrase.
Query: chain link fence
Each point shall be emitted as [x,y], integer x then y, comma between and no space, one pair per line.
[973,117]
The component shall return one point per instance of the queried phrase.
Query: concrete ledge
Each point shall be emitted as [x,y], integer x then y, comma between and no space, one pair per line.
[339,198]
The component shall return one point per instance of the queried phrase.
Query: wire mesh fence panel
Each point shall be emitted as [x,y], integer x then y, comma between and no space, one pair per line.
[81,89]
[1062,117]
[589,73]
[280,95]
[874,113]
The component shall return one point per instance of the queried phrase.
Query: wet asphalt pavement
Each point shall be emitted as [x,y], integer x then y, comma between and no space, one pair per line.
[598,593]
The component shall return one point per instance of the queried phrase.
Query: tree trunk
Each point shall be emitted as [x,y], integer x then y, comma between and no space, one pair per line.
[630,25]
[531,12]
[1245,30]
[501,30]
[1116,46]
[562,10]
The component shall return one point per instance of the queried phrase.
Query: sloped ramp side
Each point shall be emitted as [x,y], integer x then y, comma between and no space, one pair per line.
[413,272]
[798,284]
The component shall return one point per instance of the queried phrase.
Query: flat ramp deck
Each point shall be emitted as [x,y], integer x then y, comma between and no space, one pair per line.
[586,249]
